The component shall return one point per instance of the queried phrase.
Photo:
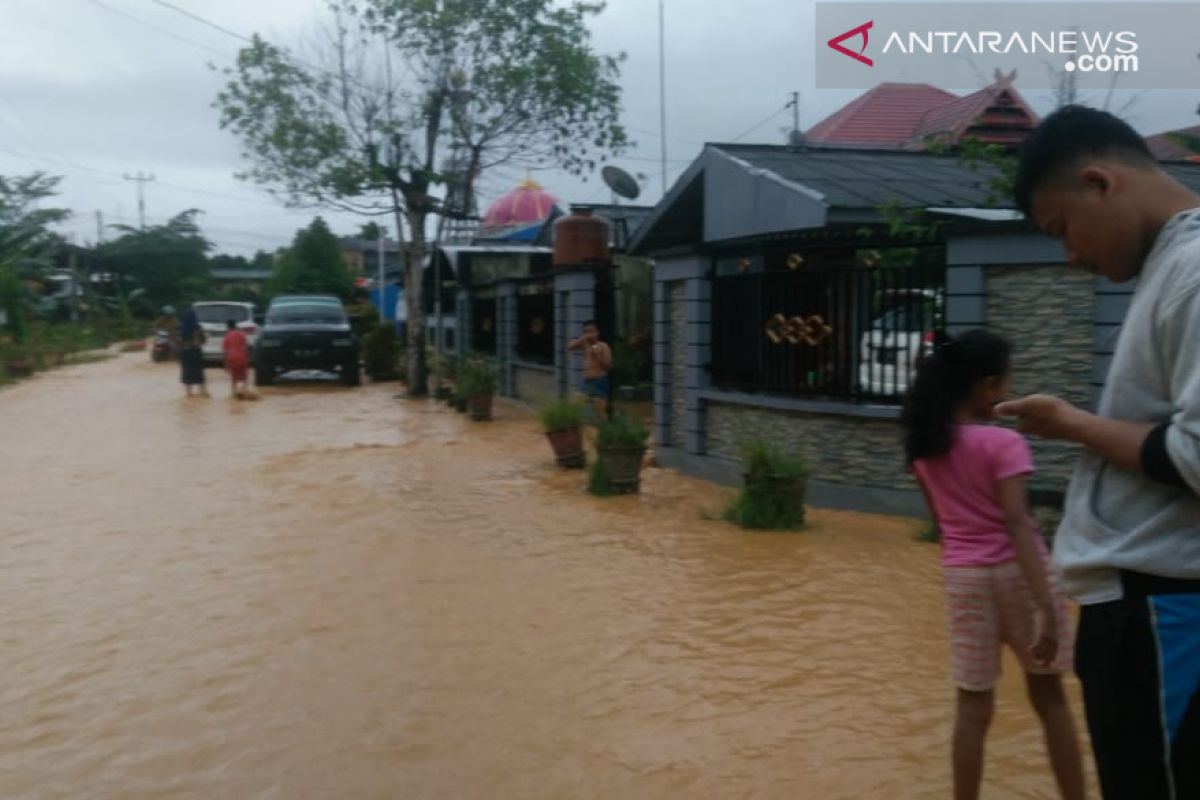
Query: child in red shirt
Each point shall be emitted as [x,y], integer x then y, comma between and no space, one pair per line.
[237,359]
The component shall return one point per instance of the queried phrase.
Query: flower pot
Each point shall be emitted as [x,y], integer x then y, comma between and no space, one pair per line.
[480,407]
[623,467]
[568,447]
[442,393]
[460,405]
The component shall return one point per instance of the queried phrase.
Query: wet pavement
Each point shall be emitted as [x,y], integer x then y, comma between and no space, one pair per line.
[331,593]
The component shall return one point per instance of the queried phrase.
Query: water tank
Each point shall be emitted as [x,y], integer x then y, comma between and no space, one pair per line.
[580,239]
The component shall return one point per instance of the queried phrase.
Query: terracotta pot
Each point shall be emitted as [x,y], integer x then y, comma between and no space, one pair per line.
[480,407]
[623,467]
[568,447]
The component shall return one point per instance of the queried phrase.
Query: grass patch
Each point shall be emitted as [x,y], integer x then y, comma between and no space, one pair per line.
[929,533]
[598,484]
[776,484]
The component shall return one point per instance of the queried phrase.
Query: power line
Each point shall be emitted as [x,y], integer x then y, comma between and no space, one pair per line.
[153,27]
[751,130]
[203,21]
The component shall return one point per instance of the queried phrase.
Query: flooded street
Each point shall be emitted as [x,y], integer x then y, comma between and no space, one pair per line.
[334,594]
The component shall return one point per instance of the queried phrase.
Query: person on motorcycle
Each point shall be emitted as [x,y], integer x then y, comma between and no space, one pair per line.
[169,323]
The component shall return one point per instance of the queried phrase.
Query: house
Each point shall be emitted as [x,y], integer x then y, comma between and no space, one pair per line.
[781,273]
[912,116]
[1178,145]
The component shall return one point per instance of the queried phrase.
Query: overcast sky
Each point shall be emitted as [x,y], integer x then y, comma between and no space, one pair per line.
[97,89]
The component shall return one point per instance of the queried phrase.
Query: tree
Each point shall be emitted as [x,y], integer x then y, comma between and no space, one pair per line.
[312,265]
[26,241]
[372,232]
[168,263]
[402,87]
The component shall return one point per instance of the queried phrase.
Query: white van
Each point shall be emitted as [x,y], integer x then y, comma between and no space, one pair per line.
[214,317]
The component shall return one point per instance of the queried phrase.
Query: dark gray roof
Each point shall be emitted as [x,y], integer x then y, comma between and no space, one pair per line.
[855,178]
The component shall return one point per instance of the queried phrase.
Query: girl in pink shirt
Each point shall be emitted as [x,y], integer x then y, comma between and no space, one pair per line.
[1000,588]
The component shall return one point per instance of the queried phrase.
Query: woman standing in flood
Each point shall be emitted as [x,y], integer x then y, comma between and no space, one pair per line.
[191,354]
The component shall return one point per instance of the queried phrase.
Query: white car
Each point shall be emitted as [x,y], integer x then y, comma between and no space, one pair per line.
[898,339]
[214,318]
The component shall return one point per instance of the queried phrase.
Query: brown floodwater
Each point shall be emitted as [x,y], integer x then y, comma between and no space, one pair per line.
[332,593]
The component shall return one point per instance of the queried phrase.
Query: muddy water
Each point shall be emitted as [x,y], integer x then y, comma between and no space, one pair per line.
[333,594]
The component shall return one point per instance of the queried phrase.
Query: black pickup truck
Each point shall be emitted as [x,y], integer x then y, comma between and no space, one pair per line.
[306,332]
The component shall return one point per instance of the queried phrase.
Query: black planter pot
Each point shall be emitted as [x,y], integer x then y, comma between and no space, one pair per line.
[623,467]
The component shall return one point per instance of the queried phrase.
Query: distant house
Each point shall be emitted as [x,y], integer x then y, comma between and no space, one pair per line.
[1178,145]
[249,277]
[911,116]
[361,257]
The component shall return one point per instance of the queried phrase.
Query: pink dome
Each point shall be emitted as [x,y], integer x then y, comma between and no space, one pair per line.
[527,204]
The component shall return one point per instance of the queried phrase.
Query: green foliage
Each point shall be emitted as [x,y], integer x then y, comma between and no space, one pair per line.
[561,414]
[26,243]
[929,533]
[598,483]
[372,232]
[1186,141]
[168,263]
[628,368]
[477,378]
[381,355]
[620,432]
[775,488]
[364,318]
[312,265]
[475,85]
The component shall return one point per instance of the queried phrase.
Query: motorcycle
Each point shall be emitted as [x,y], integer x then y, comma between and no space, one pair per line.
[163,349]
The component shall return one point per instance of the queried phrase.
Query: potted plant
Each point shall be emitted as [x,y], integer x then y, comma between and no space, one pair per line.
[776,484]
[477,383]
[562,420]
[620,448]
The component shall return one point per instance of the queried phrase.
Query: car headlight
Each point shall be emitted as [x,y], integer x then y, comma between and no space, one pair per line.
[269,343]
[343,342]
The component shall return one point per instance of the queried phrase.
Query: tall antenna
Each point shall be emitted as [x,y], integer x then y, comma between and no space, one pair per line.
[662,89]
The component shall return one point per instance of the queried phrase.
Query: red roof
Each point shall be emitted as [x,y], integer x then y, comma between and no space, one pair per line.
[887,115]
[1166,148]
[902,115]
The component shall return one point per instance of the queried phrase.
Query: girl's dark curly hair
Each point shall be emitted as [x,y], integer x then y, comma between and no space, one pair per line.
[943,381]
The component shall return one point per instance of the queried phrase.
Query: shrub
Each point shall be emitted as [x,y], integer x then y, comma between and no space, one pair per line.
[476,379]
[776,484]
[598,481]
[561,414]
[930,533]
[620,432]
[380,352]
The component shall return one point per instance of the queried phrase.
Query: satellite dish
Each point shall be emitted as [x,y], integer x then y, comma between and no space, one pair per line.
[621,182]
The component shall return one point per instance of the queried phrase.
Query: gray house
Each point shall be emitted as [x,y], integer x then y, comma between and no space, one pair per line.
[794,286]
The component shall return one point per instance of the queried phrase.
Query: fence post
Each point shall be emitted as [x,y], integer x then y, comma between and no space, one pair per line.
[697,312]
[577,292]
[506,335]
[463,330]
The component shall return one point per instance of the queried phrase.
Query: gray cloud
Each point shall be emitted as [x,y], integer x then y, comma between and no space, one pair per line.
[93,92]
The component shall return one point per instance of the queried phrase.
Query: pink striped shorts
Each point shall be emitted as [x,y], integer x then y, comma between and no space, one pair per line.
[987,607]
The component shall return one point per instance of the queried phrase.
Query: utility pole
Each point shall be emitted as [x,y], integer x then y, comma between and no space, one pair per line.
[99,228]
[662,89]
[795,138]
[141,181]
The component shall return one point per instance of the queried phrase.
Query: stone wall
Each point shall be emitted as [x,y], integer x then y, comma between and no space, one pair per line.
[1046,311]
[535,385]
[854,451]
[675,292]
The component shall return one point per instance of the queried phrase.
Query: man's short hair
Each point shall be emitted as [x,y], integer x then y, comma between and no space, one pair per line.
[591,322]
[1065,138]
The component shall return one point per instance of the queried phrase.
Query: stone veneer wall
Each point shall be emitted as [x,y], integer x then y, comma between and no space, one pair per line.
[848,450]
[1046,311]
[675,295]
[536,386]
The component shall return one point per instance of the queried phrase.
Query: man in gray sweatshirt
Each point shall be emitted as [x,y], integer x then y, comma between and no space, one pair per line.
[1129,543]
